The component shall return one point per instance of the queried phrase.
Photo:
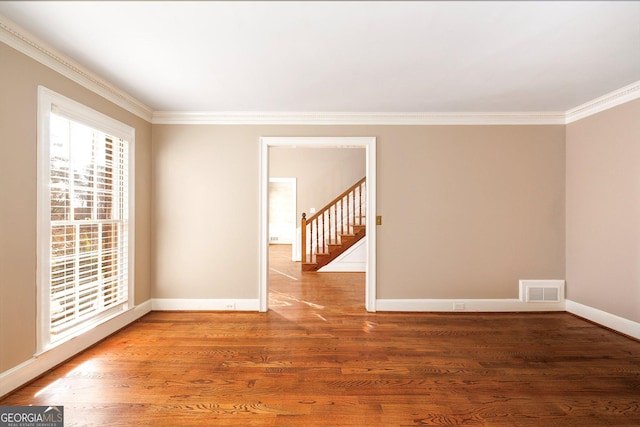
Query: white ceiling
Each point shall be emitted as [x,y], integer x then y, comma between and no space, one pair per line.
[347,56]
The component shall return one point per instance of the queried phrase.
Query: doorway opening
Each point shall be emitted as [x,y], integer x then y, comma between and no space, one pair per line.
[282,212]
[369,144]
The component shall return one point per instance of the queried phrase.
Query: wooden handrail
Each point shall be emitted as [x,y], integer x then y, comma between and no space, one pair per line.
[337,199]
[333,221]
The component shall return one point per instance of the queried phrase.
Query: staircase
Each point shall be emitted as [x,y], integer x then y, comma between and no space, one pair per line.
[334,228]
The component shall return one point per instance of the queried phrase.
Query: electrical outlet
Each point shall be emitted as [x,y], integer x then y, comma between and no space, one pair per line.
[458,306]
[379,220]
[230,306]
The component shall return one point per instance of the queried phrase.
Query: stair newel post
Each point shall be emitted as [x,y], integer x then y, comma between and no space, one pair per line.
[303,243]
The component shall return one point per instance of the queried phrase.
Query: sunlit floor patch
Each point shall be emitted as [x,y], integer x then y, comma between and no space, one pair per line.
[292,298]
[320,316]
[283,274]
[50,388]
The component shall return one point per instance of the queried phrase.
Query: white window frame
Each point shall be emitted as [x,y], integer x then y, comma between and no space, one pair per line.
[49,100]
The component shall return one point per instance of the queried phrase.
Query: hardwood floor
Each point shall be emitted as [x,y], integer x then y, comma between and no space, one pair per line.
[318,359]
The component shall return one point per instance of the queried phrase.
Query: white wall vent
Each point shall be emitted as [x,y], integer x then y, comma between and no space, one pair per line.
[542,290]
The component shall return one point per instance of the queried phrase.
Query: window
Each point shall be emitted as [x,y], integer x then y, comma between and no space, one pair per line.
[85,226]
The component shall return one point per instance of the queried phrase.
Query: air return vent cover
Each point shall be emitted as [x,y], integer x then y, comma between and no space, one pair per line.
[542,290]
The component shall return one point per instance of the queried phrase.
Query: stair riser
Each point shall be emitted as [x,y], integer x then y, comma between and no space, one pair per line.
[334,250]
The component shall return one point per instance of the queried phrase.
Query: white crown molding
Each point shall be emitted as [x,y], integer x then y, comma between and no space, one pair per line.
[20,39]
[605,102]
[344,118]
[602,103]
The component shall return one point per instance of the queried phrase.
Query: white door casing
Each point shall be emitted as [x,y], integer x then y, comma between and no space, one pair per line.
[369,143]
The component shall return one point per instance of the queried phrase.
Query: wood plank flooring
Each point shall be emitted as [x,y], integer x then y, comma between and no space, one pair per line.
[317,358]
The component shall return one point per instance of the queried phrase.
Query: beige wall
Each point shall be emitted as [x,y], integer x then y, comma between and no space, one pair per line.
[205,212]
[322,173]
[467,210]
[19,79]
[603,211]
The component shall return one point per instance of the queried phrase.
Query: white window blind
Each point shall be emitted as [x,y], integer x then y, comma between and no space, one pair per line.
[87,268]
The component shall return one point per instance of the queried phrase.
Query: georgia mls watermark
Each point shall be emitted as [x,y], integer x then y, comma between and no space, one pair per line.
[31,416]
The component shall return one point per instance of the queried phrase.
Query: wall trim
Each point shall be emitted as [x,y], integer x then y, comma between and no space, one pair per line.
[204,304]
[611,321]
[355,118]
[594,106]
[470,305]
[37,365]
[20,39]
[604,102]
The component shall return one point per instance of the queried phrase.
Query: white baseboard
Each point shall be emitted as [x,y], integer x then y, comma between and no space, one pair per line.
[32,368]
[611,321]
[465,305]
[37,365]
[186,304]
[620,324]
